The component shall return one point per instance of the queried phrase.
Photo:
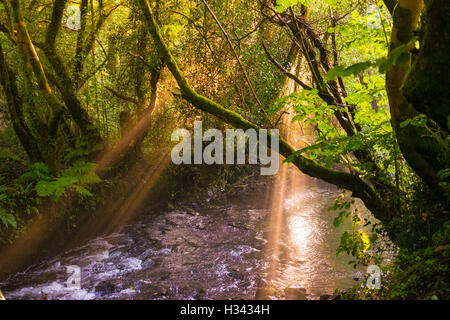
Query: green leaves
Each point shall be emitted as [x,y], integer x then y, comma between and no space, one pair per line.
[22,197]
[398,57]
[343,205]
[282,5]
[340,71]
[54,188]
[74,178]
[417,121]
[355,243]
[7,218]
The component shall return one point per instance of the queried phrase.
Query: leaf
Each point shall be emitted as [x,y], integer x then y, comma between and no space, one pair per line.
[7,218]
[335,72]
[340,71]
[82,191]
[357,68]
[397,57]
[44,188]
[282,5]
[54,188]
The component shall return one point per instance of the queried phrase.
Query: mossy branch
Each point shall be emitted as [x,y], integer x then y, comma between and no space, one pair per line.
[341,179]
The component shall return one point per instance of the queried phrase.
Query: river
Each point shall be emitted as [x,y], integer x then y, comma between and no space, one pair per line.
[275,232]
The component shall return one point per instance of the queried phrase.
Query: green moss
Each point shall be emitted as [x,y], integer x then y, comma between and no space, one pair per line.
[427,84]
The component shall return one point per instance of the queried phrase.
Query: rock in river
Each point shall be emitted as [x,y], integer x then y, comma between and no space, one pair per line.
[295,293]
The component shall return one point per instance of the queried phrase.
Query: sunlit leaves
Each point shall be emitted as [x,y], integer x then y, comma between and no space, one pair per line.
[340,71]
[355,243]
[398,57]
[282,5]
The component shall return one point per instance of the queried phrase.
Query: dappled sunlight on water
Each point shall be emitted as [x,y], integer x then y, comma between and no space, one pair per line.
[303,252]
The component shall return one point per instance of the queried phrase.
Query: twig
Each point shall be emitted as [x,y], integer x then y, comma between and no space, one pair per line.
[287,73]
[238,60]
[121,96]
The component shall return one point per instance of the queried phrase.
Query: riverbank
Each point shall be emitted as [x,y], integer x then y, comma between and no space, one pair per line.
[149,186]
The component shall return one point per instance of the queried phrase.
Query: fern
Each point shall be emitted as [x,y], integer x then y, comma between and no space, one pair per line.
[7,218]
[39,171]
[55,188]
[83,171]
[75,178]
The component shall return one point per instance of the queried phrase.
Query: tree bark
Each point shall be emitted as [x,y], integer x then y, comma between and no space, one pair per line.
[26,138]
[423,148]
[427,85]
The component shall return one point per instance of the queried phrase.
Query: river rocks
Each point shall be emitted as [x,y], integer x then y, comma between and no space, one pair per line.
[267,293]
[295,293]
[183,263]
[235,275]
[151,252]
[330,297]
[191,211]
[154,291]
[148,264]
[200,226]
[108,287]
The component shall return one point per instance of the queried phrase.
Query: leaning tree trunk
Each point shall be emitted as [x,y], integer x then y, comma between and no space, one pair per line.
[358,186]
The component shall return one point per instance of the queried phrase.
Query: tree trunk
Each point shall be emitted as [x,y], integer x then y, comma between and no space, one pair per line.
[427,85]
[423,148]
[28,141]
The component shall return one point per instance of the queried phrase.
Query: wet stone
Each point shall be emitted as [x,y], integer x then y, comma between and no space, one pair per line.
[106,288]
[295,293]
[266,293]
[236,275]
[148,264]
[153,292]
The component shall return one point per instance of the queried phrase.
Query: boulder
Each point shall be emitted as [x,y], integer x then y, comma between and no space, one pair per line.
[266,293]
[297,292]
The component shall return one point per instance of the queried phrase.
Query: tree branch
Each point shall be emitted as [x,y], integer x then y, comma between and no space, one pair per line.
[282,69]
[121,96]
[342,179]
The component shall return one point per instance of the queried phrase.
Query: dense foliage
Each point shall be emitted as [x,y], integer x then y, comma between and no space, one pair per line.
[83,102]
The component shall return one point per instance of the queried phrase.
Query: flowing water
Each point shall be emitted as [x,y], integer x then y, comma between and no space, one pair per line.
[276,232]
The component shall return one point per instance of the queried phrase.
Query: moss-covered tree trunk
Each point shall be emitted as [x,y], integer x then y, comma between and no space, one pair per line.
[427,85]
[15,109]
[423,147]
